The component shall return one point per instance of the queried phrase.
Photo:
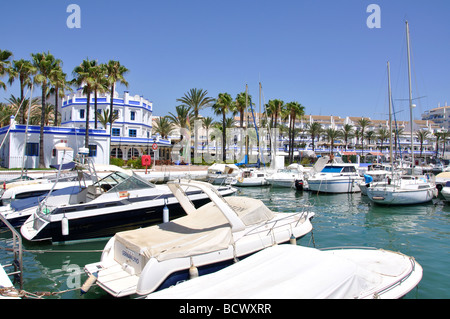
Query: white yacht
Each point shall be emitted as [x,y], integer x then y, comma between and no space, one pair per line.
[336,178]
[219,174]
[249,177]
[286,177]
[207,239]
[404,190]
[115,203]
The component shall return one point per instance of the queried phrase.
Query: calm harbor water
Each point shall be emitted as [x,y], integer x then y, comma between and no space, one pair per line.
[421,231]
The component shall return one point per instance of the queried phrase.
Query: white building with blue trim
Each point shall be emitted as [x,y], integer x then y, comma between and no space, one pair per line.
[131,132]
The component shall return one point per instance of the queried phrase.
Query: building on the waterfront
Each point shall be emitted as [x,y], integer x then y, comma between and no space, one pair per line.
[131,130]
[20,145]
[131,133]
[439,115]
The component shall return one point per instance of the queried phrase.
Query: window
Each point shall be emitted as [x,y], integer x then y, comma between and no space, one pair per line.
[116,132]
[81,114]
[32,149]
[132,133]
[133,153]
[133,115]
[92,151]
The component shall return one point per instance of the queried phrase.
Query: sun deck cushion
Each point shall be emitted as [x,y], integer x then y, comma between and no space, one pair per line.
[205,230]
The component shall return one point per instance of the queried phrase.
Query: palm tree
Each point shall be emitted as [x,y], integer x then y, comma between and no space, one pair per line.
[207,124]
[331,135]
[275,108]
[196,99]
[242,101]
[84,76]
[5,113]
[100,85]
[115,73]
[4,64]
[314,129]
[24,71]
[59,87]
[16,102]
[422,136]
[383,134]
[438,136]
[294,110]
[45,64]
[163,126]
[370,135]
[363,123]
[224,104]
[183,116]
[104,118]
[347,132]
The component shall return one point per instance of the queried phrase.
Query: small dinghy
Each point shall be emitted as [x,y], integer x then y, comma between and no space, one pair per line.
[296,272]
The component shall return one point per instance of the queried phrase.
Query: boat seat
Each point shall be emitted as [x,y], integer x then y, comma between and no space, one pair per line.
[93,192]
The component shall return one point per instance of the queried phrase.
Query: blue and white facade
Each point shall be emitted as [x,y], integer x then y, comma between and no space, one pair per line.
[131,131]
[61,144]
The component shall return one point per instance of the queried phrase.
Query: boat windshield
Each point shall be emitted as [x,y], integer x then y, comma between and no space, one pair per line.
[118,181]
[332,169]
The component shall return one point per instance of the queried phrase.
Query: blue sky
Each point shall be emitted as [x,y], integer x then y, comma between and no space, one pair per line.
[319,53]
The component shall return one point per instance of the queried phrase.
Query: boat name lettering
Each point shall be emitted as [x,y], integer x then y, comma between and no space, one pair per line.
[130,256]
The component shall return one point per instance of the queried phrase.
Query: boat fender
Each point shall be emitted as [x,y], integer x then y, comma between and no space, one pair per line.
[193,271]
[293,240]
[65,226]
[165,214]
[88,283]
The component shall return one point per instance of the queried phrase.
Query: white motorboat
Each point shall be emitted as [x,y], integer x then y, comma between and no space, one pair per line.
[249,177]
[207,239]
[375,173]
[286,177]
[219,174]
[445,191]
[115,203]
[296,272]
[20,210]
[404,190]
[336,178]
[42,186]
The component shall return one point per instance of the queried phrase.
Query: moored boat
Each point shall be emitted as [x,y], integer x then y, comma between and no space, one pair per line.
[115,203]
[336,178]
[296,272]
[207,239]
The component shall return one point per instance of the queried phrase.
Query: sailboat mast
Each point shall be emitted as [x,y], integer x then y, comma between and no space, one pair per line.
[410,97]
[390,118]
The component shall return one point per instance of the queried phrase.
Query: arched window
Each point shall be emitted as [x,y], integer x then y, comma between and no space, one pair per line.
[133,152]
[116,152]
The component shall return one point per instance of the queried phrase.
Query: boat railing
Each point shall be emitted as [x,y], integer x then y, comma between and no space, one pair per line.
[306,211]
[17,250]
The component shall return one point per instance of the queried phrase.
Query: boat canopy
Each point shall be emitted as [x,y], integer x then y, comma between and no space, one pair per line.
[300,272]
[202,231]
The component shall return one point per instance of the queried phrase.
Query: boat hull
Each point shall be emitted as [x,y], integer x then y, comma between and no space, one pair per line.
[335,185]
[391,196]
[90,222]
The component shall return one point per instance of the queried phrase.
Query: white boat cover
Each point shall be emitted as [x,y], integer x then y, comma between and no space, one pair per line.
[202,231]
[290,271]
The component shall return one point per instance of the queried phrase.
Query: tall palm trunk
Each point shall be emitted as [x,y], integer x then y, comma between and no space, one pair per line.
[41,135]
[88,107]
[224,155]
[111,107]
